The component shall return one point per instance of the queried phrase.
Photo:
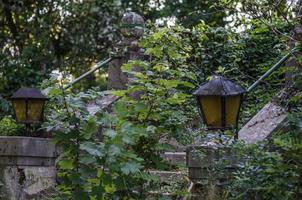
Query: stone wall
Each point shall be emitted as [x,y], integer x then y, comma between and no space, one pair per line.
[27,168]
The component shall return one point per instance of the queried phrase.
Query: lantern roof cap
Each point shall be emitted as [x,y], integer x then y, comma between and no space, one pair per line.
[28,93]
[219,86]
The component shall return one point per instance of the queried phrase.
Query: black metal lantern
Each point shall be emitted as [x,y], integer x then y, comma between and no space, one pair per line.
[28,105]
[220,101]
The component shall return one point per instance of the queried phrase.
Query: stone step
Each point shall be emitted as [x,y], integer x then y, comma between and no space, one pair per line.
[175,158]
[169,176]
[169,179]
[160,194]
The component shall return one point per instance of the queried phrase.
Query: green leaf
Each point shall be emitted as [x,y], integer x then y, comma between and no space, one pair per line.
[131,167]
[151,129]
[157,51]
[89,129]
[158,35]
[66,164]
[187,84]
[178,98]
[92,149]
[110,188]
[121,109]
[110,133]
[87,160]
[119,93]
[168,84]
[127,67]
[140,107]
[174,54]
[114,150]
[128,139]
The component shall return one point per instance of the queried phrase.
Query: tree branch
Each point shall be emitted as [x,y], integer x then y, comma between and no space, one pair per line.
[11,24]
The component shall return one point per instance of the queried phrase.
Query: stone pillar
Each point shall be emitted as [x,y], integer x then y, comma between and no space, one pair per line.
[27,168]
[296,38]
[132,28]
[210,169]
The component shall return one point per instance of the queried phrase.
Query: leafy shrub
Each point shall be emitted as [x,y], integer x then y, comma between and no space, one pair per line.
[5,108]
[113,163]
[9,127]
[273,169]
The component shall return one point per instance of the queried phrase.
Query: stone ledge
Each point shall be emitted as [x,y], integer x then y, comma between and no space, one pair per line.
[26,161]
[175,158]
[27,151]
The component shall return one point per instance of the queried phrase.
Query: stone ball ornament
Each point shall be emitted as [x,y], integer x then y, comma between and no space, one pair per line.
[132,25]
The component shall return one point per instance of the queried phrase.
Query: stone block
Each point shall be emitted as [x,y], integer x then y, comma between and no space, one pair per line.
[26,183]
[27,168]
[27,151]
[210,168]
[263,124]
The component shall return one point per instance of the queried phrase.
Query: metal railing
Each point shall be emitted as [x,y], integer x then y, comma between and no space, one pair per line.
[96,67]
[274,68]
[255,84]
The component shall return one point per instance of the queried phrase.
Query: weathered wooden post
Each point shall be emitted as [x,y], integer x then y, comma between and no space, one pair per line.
[132,28]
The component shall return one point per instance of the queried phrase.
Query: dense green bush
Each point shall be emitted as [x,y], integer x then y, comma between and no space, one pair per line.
[273,169]
[5,108]
[131,134]
[113,162]
[9,127]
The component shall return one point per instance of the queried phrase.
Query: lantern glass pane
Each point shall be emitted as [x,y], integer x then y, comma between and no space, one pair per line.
[211,108]
[232,106]
[20,110]
[35,108]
